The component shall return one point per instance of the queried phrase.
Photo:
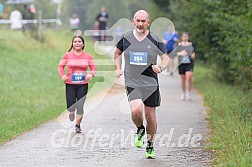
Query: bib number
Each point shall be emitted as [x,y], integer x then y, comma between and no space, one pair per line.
[186,60]
[78,77]
[138,58]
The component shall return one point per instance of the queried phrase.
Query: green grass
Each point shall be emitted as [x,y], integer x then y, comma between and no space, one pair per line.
[31,91]
[230,119]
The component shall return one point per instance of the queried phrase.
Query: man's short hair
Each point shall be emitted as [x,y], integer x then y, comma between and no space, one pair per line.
[142,11]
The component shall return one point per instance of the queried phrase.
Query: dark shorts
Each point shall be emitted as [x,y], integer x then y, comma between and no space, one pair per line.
[150,98]
[75,97]
[183,68]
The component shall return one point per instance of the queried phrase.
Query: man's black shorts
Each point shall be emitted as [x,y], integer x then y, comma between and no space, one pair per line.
[183,68]
[150,97]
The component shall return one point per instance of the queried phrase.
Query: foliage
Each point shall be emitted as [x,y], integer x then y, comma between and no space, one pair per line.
[221,31]
[231,119]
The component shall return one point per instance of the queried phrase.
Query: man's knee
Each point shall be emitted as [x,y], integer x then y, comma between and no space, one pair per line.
[137,112]
[150,117]
[136,108]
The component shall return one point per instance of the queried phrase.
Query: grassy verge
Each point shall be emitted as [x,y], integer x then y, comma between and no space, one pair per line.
[230,119]
[31,91]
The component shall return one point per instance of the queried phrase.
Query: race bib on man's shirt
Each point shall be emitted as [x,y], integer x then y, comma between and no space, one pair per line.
[138,58]
[78,77]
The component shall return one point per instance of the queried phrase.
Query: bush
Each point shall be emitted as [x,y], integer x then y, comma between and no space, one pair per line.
[222,33]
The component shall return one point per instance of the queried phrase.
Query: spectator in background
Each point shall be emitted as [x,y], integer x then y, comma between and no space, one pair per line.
[29,14]
[171,39]
[102,18]
[1,10]
[16,18]
[32,11]
[74,22]
[5,14]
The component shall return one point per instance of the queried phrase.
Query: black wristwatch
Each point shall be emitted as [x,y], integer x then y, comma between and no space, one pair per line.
[161,68]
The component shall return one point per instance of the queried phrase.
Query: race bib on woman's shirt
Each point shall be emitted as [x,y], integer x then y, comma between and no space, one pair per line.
[185,60]
[78,77]
[138,58]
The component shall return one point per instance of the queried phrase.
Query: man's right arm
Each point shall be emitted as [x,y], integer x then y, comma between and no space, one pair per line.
[118,62]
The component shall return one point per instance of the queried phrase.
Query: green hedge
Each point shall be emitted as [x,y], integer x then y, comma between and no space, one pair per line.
[221,30]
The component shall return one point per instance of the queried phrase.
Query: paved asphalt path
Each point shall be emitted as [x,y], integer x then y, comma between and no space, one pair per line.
[108,135]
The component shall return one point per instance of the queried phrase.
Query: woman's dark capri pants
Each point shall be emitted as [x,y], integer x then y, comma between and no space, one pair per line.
[75,97]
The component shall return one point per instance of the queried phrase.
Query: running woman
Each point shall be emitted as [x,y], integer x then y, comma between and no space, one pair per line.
[76,78]
[141,48]
[186,55]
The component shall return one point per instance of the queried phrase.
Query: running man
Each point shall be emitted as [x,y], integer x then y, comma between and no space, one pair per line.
[141,48]
[186,55]
[76,78]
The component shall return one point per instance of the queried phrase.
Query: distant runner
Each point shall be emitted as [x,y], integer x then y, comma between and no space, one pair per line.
[171,39]
[186,55]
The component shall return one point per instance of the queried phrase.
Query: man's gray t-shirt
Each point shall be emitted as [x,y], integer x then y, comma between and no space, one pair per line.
[139,57]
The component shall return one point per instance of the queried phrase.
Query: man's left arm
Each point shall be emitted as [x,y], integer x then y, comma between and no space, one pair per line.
[163,65]
[162,52]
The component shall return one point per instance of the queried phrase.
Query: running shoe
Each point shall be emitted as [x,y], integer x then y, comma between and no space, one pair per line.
[77,129]
[188,97]
[182,96]
[139,140]
[150,153]
[71,116]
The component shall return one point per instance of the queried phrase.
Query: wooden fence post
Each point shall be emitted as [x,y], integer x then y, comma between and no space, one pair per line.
[40,25]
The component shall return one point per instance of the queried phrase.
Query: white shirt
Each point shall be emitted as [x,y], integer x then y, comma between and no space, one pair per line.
[16,17]
[74,22]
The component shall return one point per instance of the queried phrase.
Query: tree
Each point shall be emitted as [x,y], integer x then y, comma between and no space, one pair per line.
[221,31]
